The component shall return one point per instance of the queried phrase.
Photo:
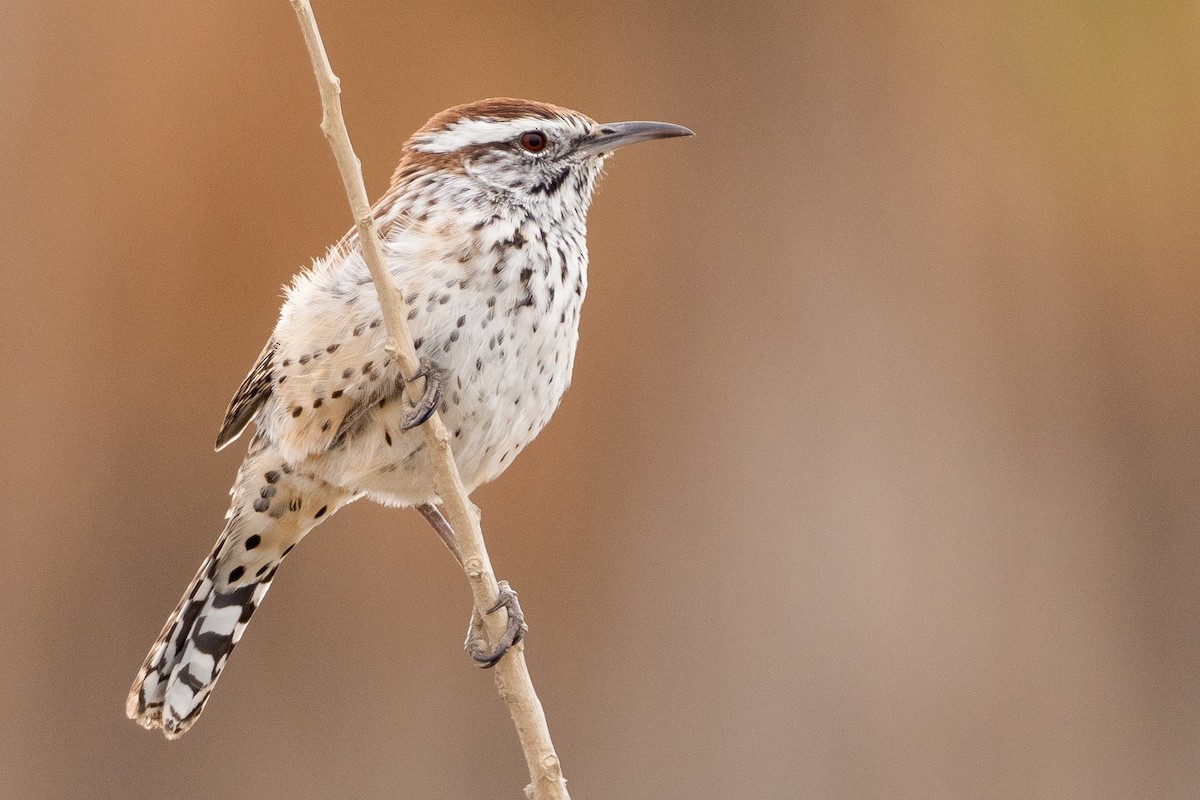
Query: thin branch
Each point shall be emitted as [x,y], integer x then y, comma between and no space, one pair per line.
[512,675]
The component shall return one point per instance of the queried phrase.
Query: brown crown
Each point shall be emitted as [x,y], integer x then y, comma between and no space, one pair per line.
[497,108]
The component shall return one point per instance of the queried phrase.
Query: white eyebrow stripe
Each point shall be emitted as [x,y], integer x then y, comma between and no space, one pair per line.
[468,132]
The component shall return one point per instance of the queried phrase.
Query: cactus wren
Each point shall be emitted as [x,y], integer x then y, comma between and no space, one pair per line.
[483,229]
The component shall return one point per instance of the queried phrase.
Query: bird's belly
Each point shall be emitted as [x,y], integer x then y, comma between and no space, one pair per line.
[500,385]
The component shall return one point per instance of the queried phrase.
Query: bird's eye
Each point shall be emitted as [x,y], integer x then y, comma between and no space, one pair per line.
[533,141]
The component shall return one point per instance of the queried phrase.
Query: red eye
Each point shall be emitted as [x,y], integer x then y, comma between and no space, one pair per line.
[534,141]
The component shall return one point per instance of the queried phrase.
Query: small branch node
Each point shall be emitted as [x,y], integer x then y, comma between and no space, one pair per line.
[443,439]
[552,769]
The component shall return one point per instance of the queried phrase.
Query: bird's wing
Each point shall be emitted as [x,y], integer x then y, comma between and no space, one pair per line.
[324,385]
[326,368]
[249,398]
[330,367]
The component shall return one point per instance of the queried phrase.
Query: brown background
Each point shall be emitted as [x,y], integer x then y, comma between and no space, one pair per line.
[879,474]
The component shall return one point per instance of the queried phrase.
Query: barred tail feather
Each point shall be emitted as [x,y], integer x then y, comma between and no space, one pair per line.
[184,664]
[274,506]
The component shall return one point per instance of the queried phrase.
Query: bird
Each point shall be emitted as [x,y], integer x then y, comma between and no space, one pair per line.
[483,227]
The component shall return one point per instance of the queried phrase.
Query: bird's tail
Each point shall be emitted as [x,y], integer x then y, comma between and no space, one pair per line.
[274,506]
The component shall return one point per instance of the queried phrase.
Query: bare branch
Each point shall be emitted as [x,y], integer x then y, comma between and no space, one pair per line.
[512,675]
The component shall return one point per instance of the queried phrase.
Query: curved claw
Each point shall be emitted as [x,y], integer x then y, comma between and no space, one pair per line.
[429,398]
[514,631]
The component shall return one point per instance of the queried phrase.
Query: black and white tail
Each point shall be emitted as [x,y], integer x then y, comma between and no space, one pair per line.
[274,506]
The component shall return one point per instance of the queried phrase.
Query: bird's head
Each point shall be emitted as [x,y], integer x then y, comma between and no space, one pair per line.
[521,152]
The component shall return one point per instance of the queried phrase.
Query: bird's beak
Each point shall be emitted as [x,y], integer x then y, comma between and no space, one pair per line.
[618,134]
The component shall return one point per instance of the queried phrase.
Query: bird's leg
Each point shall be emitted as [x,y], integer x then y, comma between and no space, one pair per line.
[429,398]
[476,644]
[434,517]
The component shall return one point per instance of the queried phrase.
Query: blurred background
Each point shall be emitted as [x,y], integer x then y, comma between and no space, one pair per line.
[878,478]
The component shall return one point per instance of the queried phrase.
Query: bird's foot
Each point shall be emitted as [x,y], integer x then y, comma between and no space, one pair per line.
[429,398]
[514,632]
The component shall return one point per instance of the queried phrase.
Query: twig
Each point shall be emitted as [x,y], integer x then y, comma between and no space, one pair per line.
[512,676]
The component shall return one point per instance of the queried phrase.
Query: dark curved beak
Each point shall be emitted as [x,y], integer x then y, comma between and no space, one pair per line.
[618,134]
